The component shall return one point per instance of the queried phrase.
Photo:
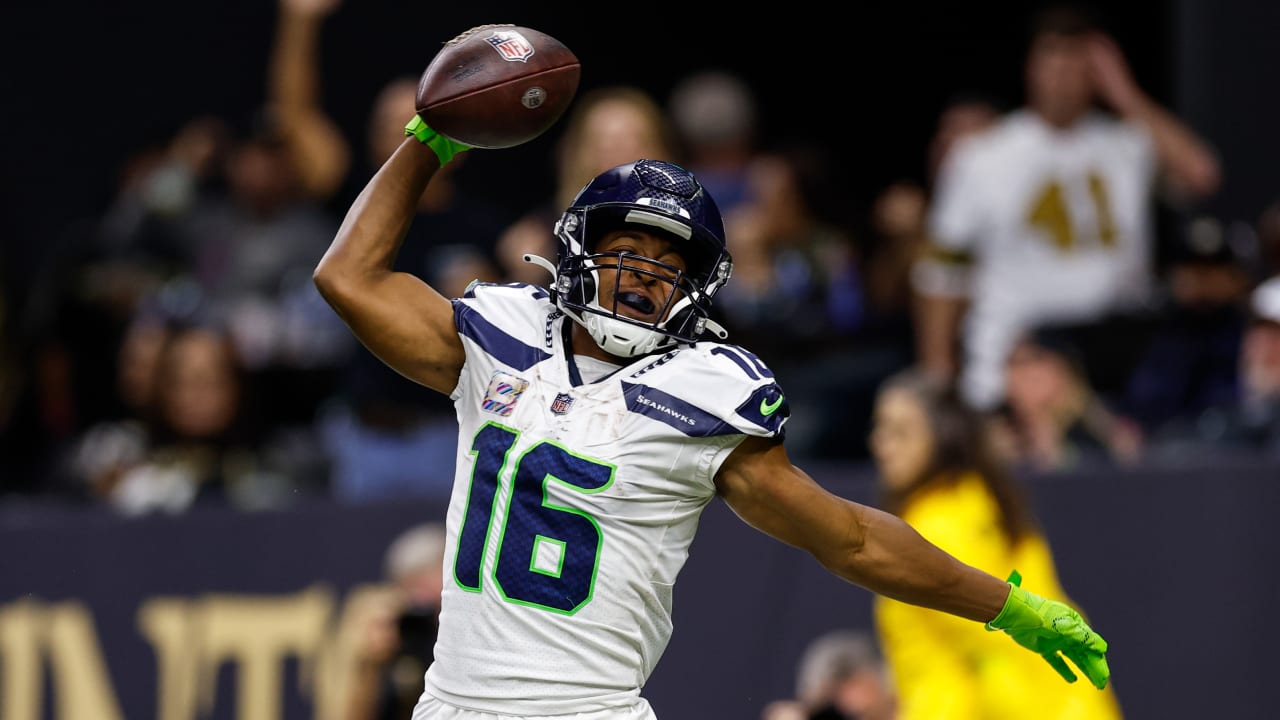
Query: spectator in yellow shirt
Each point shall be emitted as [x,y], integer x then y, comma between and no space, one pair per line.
[938,473]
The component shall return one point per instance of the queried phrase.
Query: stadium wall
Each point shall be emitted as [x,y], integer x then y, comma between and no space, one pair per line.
[249,616]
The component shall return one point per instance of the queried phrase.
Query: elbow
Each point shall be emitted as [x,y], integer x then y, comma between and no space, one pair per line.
[850,556]
[1208,179]
[1200,178]
[329,281]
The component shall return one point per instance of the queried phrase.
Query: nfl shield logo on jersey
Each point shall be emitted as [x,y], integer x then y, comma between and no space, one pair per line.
[561,404]
[504,390]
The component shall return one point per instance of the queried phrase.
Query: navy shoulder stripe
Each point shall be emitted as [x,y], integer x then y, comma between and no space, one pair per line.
[506,349]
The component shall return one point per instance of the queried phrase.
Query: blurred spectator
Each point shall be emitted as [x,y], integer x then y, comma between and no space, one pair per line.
[1261,359]
[107,449]
[239,208]
[796,285]
[938,471]
[246,242]
[320,155]
[252,239]
[895,241]
[607,126]
[897,234]
[141,240]
[716,119]
[1047,217]
[797,299]
[1260,391]
[256,248]
[1052,418]
[1250,421]
[964,115]
[385,437]
[230,210]
[137,366]
[85,294]
[841,676]
[398,641]
[196,441]
[1192,357]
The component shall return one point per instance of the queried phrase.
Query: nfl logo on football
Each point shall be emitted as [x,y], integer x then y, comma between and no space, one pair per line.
[561,404]
[512,46]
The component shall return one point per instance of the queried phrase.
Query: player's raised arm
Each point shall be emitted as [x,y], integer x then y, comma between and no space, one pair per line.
[880,552]
[493,86]
[401,319]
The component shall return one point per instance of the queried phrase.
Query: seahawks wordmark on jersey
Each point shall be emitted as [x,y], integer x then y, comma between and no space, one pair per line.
[575,503]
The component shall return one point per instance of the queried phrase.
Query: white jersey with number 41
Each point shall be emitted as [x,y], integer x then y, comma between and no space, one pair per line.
[1057,224]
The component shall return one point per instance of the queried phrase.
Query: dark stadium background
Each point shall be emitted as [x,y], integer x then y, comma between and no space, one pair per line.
[87,83]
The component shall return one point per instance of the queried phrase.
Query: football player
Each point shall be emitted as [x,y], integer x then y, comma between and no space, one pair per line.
[597,419]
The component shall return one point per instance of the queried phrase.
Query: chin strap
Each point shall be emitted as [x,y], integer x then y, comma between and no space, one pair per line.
[716,328]
[543,263]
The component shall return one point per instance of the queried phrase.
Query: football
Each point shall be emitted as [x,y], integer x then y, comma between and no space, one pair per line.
[497,86]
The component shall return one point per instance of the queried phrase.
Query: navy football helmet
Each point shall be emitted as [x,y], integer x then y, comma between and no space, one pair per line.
[664,199]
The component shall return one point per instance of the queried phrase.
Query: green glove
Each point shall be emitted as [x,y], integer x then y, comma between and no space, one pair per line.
[1051,629]
[444,148]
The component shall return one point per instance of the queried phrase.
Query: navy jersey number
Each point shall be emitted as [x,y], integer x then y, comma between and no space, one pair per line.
[548,554]
[744,359]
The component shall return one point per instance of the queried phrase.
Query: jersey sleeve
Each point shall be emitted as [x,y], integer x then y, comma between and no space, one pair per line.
[714,397]
[504,328]
[737,387]
[509,322]
[718,393]
[956,210]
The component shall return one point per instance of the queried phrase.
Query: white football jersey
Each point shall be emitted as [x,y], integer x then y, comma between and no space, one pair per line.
[574,505]
[1058,224]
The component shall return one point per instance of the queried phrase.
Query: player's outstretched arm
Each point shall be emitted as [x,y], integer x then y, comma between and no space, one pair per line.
[401,319]
[880,552]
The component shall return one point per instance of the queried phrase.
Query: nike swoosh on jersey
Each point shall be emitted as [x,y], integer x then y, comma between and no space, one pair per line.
[768,408]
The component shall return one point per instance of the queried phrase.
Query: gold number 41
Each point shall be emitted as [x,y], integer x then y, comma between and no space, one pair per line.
[1049,212]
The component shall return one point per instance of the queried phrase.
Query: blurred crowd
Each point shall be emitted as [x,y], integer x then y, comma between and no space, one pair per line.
[1050,258]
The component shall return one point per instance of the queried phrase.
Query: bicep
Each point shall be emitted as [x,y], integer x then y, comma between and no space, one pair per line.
[766,491]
